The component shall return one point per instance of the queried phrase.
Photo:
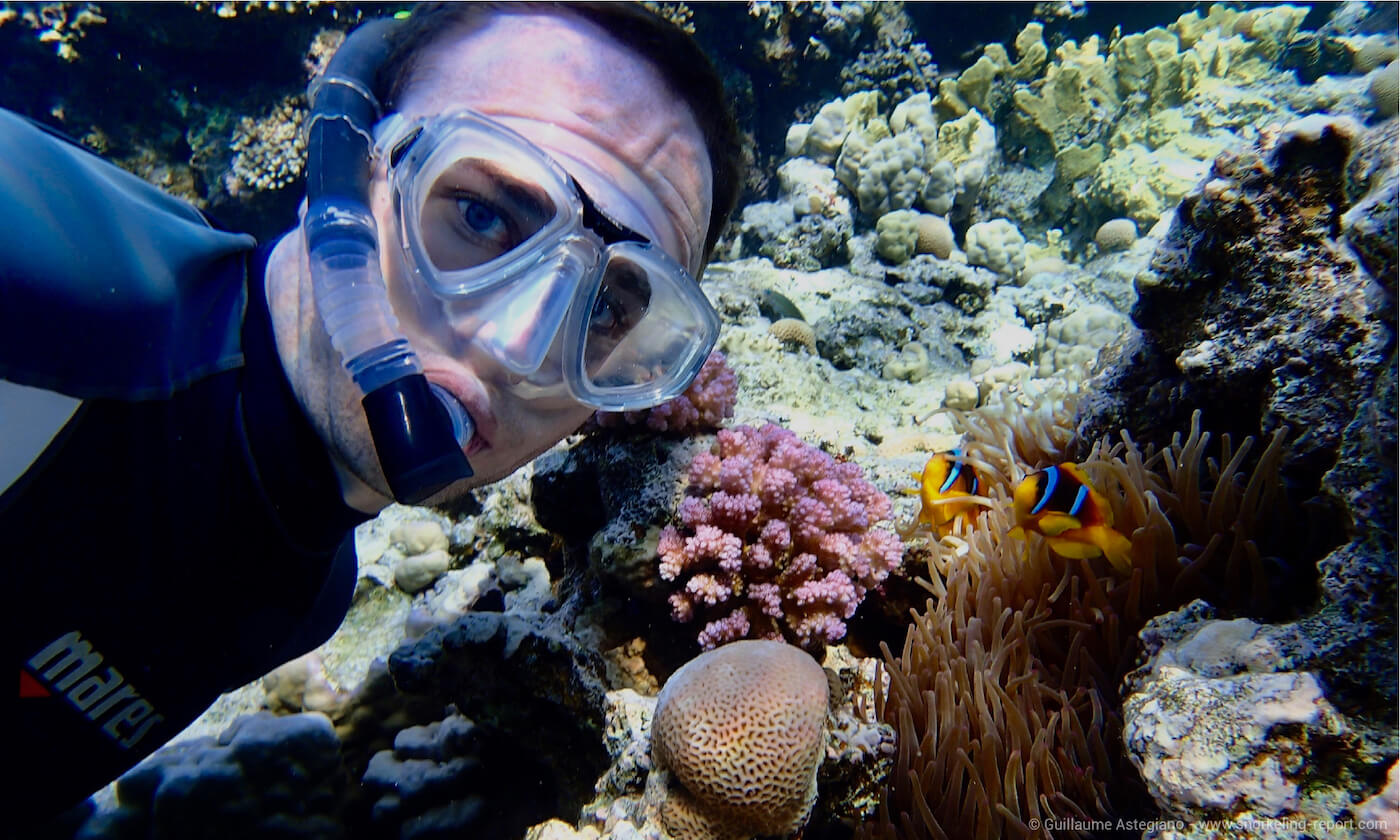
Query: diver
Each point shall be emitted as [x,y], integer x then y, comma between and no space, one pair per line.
[508,205]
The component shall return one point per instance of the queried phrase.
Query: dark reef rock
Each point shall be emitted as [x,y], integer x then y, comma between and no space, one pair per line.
[265,776]
[1271,303]
[564,495]
[1370,226]
[1253,311]
[430,783]
[526,677]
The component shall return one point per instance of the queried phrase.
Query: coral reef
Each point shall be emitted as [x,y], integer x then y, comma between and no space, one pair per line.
[429,782]
[1154,170]
[1116,234]
[897,66]
[1075,340]
[803,30]
[1226,322]
[60,24]
[519,673]
[998,245]
[1219,720]
[1018,635]
[897,235]
[794,331]
[777,539]
[935,236]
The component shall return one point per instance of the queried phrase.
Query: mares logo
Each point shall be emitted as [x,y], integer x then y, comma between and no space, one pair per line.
[68,666]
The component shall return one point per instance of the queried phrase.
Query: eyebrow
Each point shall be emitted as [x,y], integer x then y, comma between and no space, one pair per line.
[521,193]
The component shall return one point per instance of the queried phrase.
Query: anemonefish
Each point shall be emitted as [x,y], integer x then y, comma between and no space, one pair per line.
[1060,504]
[946,478]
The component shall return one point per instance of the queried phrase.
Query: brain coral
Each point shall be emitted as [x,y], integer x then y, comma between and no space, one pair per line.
[742,730]
[935,236]
[794,331]
[1116,234]
[776,539]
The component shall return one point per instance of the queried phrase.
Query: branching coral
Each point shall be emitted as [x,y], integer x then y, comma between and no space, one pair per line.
[678,14]
[1005,692]
[777,539]
[706,404]
[898,67]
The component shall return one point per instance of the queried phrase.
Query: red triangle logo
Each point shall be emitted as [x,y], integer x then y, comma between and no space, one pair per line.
[30,687]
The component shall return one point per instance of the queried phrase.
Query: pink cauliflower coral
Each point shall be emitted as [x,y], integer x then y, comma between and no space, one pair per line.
[775,539]
[704,405]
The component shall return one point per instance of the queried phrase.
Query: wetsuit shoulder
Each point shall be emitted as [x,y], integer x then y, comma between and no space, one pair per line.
[106,279]
[183,533]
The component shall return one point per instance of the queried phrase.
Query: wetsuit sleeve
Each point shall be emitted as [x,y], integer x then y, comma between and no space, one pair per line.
[105,278]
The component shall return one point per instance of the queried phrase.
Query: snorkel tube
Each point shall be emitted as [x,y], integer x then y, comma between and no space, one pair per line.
[419,430]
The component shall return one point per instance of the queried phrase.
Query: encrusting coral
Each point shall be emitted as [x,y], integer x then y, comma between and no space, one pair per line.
[1004,695]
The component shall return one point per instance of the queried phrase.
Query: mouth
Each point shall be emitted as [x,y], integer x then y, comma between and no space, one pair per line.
[470,393]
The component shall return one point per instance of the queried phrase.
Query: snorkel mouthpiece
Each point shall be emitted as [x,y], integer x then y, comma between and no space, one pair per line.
[408,419]
[419,434]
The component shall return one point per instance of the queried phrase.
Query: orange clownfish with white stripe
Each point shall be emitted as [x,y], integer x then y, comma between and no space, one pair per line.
[1060,504]
[944,480]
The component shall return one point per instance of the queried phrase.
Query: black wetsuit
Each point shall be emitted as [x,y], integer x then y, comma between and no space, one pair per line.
[184,533]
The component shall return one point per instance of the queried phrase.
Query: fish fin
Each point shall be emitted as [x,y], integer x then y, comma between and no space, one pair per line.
[1018,532]
[1074,547]
[1054,524]
[1116,547]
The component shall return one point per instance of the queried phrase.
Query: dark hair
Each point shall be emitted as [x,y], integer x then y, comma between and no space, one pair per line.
[668,48]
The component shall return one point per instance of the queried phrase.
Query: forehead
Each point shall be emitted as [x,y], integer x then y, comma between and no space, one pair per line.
[604,113]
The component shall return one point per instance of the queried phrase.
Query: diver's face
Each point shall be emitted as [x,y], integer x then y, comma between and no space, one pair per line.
[608,118]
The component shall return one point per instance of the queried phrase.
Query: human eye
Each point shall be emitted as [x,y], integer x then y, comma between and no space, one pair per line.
[473,214]
[621,303]
[482,219]
[607,315]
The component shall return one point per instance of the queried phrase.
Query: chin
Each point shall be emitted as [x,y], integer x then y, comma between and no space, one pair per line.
[494,465]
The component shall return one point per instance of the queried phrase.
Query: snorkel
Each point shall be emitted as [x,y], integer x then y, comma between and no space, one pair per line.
[420,431]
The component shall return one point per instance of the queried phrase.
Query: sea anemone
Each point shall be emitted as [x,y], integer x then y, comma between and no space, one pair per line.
[1005,692]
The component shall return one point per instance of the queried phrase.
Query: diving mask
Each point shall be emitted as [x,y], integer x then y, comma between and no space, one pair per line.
[531,272]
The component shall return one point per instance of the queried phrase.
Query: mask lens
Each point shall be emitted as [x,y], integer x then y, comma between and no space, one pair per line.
[648,329]
[476,212]
[623,299]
